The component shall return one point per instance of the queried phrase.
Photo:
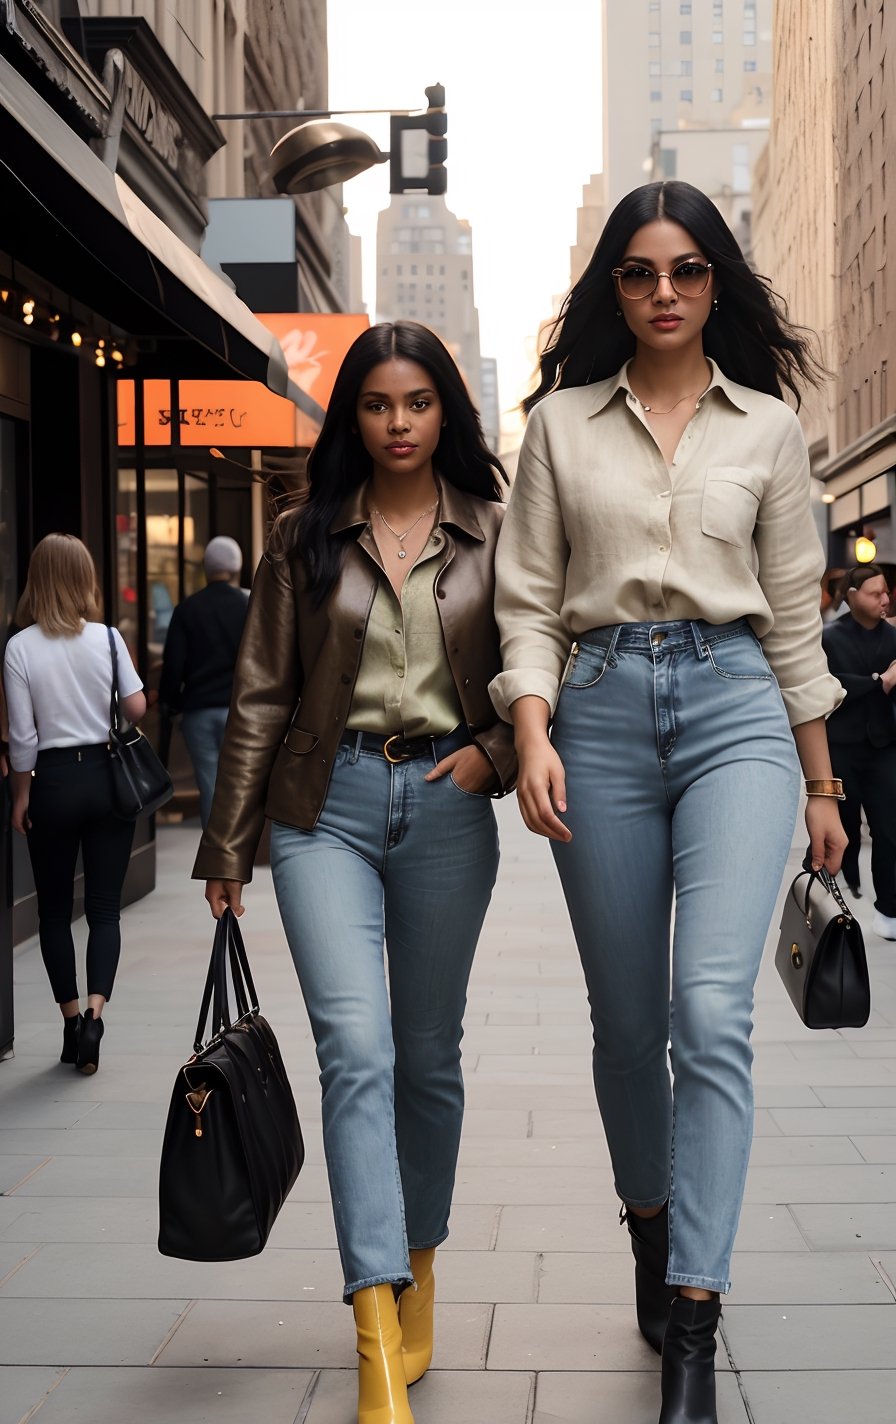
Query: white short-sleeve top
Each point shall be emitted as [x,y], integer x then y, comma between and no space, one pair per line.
[58,690]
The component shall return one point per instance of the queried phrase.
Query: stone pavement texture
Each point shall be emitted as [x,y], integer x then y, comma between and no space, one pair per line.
[534,1322]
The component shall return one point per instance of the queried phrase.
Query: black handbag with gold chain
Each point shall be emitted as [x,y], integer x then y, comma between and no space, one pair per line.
[821,955]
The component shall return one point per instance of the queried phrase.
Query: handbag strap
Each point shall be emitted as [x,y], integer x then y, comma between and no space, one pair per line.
[826,879]
[227,946]
[114,703]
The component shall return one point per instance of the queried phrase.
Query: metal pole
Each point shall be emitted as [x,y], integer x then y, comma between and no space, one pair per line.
[308,113]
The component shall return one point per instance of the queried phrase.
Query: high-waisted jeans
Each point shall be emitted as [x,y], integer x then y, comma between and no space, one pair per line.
[411,862]
[682,780]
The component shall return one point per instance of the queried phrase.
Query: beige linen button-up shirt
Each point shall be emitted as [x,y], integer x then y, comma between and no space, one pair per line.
[600,530]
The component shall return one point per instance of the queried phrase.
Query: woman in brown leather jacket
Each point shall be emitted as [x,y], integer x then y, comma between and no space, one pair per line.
[362,727]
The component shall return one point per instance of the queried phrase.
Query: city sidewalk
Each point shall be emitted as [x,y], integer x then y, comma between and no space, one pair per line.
[535,1319]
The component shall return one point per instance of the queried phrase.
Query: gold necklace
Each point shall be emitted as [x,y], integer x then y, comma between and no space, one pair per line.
[403,553]
[689,396]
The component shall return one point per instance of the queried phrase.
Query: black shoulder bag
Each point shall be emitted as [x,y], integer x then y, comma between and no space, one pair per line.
[140,783]
[821,955]
[233,1146]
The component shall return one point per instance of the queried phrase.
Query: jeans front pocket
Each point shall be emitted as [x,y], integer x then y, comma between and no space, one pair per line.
[587,665]
[739,658]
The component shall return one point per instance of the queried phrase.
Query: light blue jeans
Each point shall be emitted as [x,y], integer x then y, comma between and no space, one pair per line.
[203,732]
[682,780]
[397,859]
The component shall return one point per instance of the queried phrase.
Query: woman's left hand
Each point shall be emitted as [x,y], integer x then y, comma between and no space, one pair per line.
[20,819]
[470,769]
[827,838]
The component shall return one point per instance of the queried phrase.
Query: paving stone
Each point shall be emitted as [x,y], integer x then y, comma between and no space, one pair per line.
[62,1142]
[612,1397]
[823,1183]
[810,1337]
[588,1277]
[870,1095]
[82,1219]
[804,1151]
[832,1227]
[572,1185]
[15,1168]
[564,1152]
[22,1387]
[441,1397]
[49,1332]
[876,1149]
[810,1278]
[824,1396]
[283,1334]
[184,1396]
[839,1122]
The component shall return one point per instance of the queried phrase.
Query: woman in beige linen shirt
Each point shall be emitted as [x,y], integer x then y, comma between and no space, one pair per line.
[361,725]
[657,595]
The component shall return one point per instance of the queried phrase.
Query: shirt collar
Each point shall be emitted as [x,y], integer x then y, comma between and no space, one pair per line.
[455,508]
[604,391]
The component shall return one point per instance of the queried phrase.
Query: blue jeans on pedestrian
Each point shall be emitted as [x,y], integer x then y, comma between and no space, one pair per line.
[397,859]
[203,732]
[682,781]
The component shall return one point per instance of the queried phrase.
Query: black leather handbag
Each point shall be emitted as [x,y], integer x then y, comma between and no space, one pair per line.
[233,1146]
[140,783]
[821,955]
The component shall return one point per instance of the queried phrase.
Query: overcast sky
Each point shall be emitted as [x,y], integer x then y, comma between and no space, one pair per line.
[524,135]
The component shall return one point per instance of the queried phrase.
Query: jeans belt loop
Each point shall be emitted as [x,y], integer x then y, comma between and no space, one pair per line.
[613,641]
[700,643]
[356,749]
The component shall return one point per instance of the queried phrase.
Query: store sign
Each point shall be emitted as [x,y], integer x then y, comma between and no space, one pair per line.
[246,413]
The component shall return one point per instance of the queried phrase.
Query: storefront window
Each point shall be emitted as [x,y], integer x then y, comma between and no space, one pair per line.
[127,581]
[196,531]
[162,577]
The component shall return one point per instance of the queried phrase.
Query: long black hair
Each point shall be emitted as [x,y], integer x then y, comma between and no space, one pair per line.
[339,463]
[749,336]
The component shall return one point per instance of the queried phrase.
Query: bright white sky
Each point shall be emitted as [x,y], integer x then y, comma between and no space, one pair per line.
[524,134]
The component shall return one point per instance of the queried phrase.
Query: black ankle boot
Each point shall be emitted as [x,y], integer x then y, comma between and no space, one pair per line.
[89,1043]
[689,1349]
[650,1248]
[71,1032]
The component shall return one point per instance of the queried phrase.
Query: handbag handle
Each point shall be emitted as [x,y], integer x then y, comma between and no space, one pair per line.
[114,703]
[227,946]
[826,879]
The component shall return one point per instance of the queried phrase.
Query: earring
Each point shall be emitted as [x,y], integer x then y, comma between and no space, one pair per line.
[619,311]
[715,304]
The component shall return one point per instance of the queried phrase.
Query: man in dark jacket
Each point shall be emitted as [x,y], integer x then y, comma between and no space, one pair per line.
[861,652]
[200,656]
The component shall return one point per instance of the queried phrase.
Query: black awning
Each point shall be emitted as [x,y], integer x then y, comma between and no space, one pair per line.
[67,217]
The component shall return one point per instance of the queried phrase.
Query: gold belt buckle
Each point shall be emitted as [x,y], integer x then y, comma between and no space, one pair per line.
[394,760]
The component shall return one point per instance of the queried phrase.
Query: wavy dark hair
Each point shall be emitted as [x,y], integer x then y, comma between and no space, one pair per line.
[750,337]
[339,463]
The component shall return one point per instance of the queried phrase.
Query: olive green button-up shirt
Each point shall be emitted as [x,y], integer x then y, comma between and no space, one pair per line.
[404,682]
[600,530]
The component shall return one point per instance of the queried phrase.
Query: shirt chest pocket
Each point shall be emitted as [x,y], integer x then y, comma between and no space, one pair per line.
[731,498]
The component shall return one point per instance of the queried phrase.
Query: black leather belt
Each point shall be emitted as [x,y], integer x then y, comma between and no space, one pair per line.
[397,748]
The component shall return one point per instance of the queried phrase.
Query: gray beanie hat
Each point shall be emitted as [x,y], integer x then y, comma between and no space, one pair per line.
[223,556]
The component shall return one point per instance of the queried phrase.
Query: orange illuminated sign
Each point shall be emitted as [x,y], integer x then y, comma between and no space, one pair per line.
[246,413]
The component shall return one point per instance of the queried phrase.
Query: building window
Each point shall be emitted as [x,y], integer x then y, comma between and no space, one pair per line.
[686,96]
[718,37]
[399,270]
[749,37]
[653,38]
[740,167]
[654,69]
[720,65]
[685,37]
[429,269]
[656,96]
[414,269]
[749,66]
[716,96]
[685,8]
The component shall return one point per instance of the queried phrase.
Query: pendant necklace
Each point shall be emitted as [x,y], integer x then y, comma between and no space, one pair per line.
[689,396]
[402,552]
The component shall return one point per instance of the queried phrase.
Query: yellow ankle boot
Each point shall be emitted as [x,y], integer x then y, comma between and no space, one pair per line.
[382,1388]
[415,1308]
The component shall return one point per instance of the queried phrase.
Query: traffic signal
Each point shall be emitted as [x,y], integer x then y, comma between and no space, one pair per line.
[418,148]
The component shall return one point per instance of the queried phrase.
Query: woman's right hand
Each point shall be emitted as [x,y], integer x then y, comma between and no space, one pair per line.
[541,788]
[222,894]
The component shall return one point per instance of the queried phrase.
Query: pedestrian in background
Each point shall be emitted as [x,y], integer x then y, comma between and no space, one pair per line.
[657,579]
[199,658]
[362,727]
[58,679]
[861,652]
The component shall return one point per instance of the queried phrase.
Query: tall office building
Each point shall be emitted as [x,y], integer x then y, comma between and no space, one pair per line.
[687,87]
[424,260]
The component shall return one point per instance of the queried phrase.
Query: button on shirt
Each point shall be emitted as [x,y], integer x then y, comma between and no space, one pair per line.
[404,682]
[600,531]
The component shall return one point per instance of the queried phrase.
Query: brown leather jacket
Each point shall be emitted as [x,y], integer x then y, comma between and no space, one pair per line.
[297,667]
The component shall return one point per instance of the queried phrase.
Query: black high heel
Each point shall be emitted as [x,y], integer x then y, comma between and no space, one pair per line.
[92,1030]
[650,1248]
[71,1033]
[689,1349]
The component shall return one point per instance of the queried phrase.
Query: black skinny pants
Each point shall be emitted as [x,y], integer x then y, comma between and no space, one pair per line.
[71,809]
[869,778]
